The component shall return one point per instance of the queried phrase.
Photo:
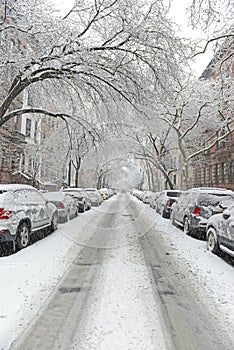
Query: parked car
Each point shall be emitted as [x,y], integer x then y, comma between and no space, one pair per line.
[165,200]
[24,211]
[196,206]
[153,199]
[220,232]
[103,193]
[83,200]
[66,205]
[147,196]
[95,196]
[106,193]
[140,195]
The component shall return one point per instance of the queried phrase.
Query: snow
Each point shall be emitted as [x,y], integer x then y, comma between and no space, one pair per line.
[29,276]
[211,277]
[121,314]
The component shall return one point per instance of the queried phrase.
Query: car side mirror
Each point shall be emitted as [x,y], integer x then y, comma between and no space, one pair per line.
[226,214]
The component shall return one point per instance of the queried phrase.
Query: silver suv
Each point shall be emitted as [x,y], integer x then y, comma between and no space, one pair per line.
[165,200]
[196,206]
[24,211]
[220,232]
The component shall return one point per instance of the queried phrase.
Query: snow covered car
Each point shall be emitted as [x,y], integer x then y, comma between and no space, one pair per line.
[196,206]
[153,199]
[95,196]
[106,193]
[147,197]
[66,205]
[84,202]
[24,211]
[165,200]
[220,232]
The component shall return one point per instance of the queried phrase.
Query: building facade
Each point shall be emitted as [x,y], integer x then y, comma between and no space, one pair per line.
[215,167]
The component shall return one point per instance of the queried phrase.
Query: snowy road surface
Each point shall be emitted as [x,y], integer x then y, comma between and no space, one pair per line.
[130,281]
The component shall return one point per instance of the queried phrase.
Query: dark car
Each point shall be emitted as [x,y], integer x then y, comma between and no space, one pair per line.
[220,232]
[196,206]
[165,200]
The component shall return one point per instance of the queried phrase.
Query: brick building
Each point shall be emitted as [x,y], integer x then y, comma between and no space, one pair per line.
[216,167]
[24,132]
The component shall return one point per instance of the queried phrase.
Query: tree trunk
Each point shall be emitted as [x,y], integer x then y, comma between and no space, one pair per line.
[69,174]
[78,164]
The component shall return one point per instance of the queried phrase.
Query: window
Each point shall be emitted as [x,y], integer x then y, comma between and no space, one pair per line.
[204,175]
[224,142]
[211,176]
[30,164]
[231,171]
[28,127]
[223,177]
[216,173]
[4,157]
[13,163]
[35,131]
[22,166]
[16,123]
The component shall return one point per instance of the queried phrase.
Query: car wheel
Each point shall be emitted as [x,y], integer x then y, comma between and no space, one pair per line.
[187,228]
[212,242]
[23,236]
[54,222]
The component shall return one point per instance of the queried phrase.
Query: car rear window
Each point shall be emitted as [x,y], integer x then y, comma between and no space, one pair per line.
[173,194]
[214,199]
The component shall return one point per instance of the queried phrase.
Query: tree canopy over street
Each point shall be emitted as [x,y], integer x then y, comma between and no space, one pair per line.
[110,62]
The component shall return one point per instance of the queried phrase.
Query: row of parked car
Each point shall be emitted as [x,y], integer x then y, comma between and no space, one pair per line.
[203,212]
[24,211]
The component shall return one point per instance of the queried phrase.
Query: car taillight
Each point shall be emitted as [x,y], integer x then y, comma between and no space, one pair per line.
[169,203]
[2,232]
[60,205]
[5,214]
[197,211]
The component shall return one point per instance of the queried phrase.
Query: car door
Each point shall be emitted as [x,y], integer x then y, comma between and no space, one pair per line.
[37,204]
[71,204]
[227,228]
[159,202]
[181,206]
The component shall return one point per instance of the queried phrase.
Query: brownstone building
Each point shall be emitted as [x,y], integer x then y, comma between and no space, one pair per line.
[216,167]
[24,132]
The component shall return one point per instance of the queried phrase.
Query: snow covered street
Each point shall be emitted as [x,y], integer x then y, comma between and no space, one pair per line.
[117,277]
